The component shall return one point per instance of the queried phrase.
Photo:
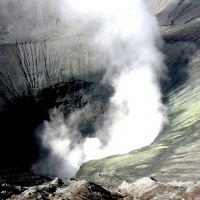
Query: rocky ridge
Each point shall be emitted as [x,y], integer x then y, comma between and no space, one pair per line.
[71,189]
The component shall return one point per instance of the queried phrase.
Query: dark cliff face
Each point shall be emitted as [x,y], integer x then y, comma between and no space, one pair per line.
[37,75]
[41,70]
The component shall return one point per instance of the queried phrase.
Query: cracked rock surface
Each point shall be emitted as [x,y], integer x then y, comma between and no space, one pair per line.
[142,189]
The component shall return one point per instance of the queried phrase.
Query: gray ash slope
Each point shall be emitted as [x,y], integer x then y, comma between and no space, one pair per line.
[40,69]
[174,155]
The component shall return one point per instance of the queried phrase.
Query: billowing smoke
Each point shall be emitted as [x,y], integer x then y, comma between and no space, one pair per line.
[127,32]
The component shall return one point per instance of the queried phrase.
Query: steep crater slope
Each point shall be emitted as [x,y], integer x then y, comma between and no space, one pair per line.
[174,155]
[43,66]
[34,78]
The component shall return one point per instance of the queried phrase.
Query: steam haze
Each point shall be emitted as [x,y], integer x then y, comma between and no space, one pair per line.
[127,32]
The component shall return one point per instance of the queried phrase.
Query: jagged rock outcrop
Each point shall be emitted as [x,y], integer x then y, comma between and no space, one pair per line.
[142,189]
[58,189]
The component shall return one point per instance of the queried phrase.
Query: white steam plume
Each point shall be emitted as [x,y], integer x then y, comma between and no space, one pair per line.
[129,34]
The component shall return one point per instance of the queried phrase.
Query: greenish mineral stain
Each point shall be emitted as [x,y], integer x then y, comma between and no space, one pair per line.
[183,113]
